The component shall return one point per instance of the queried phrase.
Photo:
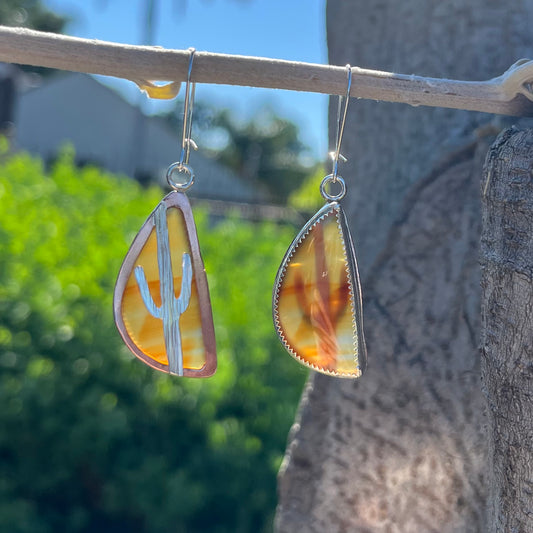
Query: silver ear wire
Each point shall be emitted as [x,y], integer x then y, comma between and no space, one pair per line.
[341,122]
[336,155]
[188,105]
[182,166]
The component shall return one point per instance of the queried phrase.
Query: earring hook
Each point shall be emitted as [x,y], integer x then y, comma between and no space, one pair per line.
[336,155]
[188,106]
[341,121]
[182,166]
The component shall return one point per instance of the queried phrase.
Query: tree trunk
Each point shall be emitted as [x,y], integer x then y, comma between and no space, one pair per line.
[403,448]
[507,326]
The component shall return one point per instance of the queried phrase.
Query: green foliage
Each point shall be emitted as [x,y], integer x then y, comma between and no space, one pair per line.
[90,438]
[267,149]
[307,197]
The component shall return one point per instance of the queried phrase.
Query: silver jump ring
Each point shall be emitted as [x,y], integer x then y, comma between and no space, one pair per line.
[330,178]
[180,168]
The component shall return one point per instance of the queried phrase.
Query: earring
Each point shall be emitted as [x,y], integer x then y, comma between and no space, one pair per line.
[161,302]
[317,306]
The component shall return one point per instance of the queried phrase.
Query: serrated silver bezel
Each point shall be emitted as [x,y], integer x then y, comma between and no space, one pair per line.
[353,280]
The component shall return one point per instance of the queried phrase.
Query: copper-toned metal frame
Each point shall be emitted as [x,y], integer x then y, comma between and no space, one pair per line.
[355,284]
[180,201]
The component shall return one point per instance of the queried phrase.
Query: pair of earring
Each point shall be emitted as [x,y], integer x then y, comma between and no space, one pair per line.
[317,307]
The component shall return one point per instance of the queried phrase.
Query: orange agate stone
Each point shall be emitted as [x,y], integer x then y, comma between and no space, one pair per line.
[144,328]
[317,304]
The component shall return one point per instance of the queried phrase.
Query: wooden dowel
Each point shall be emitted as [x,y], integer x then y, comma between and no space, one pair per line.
[508,94]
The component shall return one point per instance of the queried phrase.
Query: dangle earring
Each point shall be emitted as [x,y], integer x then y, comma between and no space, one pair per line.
[317,307]
[161,302]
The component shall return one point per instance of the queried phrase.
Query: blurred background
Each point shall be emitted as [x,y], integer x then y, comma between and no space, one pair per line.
[90,438]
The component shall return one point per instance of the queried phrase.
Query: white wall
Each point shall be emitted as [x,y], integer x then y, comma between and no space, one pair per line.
[75,108]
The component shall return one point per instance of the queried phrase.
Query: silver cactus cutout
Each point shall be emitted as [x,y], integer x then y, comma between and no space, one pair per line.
[171,307]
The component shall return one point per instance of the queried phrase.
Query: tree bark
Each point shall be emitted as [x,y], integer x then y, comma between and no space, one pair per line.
[403,449]
[507,326]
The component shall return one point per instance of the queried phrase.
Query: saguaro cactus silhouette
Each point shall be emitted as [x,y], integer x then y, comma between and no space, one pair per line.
[171,307]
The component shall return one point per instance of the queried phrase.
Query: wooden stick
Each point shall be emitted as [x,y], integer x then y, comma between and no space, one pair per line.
[508,94]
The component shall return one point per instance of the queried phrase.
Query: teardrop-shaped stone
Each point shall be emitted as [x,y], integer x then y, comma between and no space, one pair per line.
[161,303]
[317,297]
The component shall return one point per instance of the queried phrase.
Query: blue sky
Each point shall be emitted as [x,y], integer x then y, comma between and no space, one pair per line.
[293,30]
